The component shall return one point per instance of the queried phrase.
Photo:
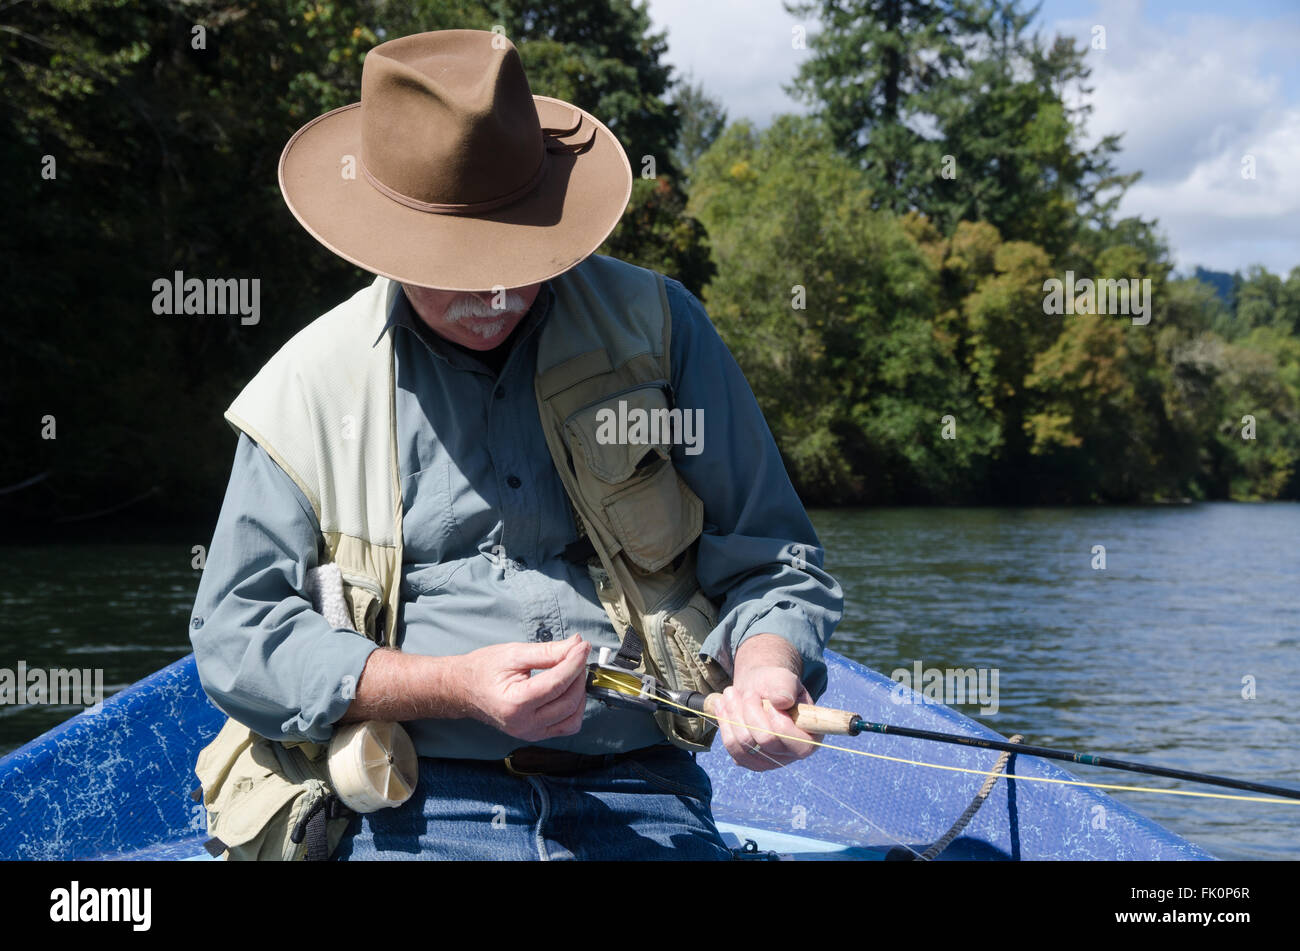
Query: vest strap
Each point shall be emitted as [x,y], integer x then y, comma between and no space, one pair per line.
[630,650]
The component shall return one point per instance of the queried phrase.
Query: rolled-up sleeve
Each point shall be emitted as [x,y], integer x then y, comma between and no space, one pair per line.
[759,557]
[264,656]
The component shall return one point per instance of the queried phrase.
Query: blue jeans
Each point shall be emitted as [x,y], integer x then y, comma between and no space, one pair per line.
[652,806]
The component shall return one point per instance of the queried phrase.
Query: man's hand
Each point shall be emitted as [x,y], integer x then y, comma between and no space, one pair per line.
[491,684]
[499,691]
[767,668]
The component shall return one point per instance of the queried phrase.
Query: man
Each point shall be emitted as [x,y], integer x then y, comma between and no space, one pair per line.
[489,520]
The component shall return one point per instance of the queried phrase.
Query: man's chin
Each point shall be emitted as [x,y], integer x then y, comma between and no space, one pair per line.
[483,334]
[491,334]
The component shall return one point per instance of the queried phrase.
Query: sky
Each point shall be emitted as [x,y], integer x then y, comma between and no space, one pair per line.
[1194,86]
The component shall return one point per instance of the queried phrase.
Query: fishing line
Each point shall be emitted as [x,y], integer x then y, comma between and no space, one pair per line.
[632,683]
[612,682]
[809,782]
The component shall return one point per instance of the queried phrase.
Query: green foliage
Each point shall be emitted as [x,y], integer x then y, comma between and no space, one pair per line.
[656,232]
[1006,146]
[166,140]
[872,65]
[877,306]
[854,381]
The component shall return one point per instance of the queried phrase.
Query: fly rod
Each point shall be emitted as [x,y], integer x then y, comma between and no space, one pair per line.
[639,690]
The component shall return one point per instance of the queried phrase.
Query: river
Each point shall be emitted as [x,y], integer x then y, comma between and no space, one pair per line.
[1182,650]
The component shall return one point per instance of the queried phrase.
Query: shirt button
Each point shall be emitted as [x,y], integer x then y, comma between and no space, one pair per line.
[499,392]
[543,633]
[514,482]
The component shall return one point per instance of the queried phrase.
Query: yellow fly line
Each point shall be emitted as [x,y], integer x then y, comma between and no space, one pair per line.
[632,683]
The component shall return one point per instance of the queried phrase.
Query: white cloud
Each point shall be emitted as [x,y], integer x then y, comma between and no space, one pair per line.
[740,50]
[1191,95]
[1216,217]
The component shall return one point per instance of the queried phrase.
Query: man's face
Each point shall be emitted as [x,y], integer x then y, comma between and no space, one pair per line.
[479,320]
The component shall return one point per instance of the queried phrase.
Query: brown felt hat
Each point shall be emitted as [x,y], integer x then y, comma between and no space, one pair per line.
[451,174]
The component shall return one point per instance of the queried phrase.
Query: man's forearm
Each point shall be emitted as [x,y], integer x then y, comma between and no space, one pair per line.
[768,650]
[395,686]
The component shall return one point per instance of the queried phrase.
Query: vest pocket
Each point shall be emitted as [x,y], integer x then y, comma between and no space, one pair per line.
[620,448]
[688,627]
[256,790]
[656,518]
[613,436]
[365,599]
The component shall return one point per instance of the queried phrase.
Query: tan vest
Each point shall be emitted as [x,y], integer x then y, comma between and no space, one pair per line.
[324,409]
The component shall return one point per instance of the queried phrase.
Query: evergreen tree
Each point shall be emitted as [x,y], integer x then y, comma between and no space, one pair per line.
[703,119]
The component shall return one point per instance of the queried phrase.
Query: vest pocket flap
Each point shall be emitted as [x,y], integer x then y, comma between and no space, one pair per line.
[255,789]
[250,792]
[623,432]
[252,812]
[656,518]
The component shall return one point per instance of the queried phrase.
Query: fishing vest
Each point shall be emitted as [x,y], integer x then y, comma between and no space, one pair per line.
[324,409]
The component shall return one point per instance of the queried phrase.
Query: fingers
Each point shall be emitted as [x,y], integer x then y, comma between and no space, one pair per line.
[737,738]
[570,724]
[783,742]
[550,703]
[552,683]
[537,656]
[561,710]
[779,685]
[757,734]
[767,724]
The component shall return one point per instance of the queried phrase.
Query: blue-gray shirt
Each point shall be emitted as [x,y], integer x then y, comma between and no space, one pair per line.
[485,525]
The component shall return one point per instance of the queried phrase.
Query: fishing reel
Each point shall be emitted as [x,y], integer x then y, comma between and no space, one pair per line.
[620,687]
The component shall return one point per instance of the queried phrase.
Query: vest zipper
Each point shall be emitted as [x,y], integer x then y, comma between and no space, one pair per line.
[362,581]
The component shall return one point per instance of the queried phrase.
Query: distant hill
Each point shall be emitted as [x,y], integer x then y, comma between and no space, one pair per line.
[1221,281]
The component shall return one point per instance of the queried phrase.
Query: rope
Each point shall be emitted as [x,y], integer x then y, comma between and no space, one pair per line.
[964,819]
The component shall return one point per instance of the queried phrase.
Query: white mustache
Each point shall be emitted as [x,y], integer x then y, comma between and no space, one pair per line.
[471,306]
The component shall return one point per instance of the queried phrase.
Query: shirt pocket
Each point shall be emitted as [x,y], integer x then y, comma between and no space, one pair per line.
[424,580]
[621,451]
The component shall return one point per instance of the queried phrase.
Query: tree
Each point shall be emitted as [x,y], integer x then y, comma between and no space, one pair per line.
[703,119]
[828,306]
[163,121]
[955,110]
[871,65]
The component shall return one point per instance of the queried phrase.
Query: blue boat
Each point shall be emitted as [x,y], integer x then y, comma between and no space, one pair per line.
[116,784]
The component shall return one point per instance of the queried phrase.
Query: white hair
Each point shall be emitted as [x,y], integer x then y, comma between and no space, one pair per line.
[468,305]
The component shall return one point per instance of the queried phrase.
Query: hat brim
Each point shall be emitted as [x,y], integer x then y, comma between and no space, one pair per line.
[554,227]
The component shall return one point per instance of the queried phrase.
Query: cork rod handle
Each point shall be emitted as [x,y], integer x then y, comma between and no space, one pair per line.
[810,719]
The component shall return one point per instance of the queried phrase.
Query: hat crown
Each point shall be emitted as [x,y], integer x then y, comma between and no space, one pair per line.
[448,118]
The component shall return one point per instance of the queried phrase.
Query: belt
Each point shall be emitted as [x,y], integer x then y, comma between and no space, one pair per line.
[541,761]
